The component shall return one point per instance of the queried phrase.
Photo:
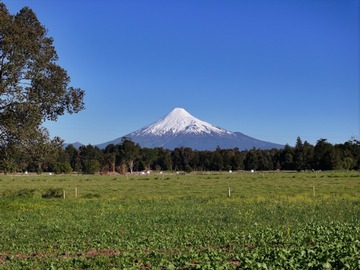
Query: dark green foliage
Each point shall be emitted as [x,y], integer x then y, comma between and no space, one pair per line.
[27,54]
[302,157]
[130,151]
[33,88]
[325,157]
[114,158]
[52,193]
[63,167]
[188,169]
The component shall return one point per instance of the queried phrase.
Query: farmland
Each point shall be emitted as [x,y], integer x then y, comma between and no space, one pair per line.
[181,221]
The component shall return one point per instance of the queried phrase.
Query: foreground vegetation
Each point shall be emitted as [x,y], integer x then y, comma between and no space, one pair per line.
[181,221]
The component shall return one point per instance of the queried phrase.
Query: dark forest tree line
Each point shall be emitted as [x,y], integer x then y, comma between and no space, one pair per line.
[128,157]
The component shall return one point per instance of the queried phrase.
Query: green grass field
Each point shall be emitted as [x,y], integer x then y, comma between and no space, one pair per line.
[170,221]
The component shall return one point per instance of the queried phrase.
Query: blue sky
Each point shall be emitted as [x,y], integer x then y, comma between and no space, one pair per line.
[273,70]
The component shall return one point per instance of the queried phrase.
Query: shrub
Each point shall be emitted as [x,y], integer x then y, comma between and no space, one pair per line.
[52,193]
[188,168]
[63,167]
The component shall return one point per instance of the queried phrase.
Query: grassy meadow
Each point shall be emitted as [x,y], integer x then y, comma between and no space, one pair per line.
[181,221]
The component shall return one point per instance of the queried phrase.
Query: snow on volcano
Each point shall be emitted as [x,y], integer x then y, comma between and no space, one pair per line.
[180,129]
[179,121]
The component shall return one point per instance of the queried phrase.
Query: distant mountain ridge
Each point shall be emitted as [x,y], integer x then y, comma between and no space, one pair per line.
[180,129]
[75,144]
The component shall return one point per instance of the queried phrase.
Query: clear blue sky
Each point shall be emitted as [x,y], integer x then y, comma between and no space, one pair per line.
[273,70]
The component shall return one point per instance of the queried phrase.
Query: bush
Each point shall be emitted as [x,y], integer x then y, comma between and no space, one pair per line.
[52,193]
[91,166]
[64,167]
[188,168]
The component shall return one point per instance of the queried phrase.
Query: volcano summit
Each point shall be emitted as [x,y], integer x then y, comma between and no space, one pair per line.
[180,129]
[178,122]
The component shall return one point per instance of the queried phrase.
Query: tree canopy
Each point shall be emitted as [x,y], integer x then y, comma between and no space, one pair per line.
[33,87]
[129,157]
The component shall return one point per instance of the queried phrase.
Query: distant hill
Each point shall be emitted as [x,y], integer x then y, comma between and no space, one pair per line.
[179,128]
[75,144]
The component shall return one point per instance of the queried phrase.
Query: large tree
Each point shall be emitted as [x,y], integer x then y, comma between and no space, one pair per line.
[33,87]
[130,152]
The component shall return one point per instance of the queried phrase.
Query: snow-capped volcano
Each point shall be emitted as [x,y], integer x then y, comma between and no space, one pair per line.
[180,129]
[179,121]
